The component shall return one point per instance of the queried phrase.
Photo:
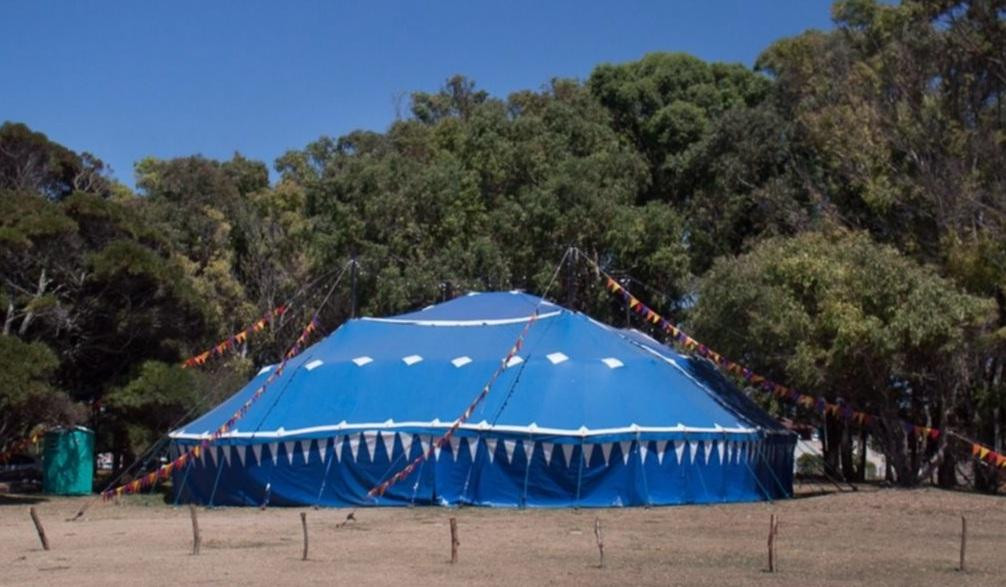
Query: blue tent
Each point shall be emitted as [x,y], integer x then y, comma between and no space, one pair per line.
[584,415]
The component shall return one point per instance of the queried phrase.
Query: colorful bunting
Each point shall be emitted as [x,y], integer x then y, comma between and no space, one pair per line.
[781,392]
[226,345]
[195,451]
[437,444]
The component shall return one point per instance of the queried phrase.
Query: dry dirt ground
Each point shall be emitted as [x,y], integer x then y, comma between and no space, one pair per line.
[871,537]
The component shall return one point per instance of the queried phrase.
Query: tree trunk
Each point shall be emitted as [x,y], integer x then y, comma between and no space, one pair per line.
[861,470]
[848,469]
[946,476]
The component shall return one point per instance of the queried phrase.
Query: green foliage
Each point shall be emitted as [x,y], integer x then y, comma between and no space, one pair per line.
[833,313]
[810,465]
[27,396]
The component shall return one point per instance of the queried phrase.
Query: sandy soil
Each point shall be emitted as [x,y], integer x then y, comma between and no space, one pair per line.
[874,537]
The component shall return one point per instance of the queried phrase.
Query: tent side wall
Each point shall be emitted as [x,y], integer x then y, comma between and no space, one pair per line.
[490,470]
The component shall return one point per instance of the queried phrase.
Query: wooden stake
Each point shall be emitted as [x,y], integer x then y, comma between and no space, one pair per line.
[600,540]
[196,538]
[303,523]
[964,542]
[41,530]
[773,527]
[454,541]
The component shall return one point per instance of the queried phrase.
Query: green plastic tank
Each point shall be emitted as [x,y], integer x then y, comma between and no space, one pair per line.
[68,461]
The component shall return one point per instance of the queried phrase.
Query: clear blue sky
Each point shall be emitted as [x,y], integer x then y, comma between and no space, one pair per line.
[125,80]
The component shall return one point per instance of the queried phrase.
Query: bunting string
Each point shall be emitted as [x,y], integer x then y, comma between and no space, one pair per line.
[437,444]
[234,340]
[164,472]
[781,392]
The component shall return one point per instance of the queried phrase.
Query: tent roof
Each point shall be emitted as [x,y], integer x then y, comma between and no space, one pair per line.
[419,371]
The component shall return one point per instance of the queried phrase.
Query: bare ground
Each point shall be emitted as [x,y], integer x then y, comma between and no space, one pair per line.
[875,537]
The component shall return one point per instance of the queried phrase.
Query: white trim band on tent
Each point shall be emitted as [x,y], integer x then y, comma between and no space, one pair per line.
[492,322]
[480,427]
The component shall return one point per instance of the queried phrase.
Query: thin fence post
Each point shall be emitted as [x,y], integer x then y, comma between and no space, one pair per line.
[41,530]
[454,540]
[964,543]
[600,540]
[773,527]
[196,538]
[303,523]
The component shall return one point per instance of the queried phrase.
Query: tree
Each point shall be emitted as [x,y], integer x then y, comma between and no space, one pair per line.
[838,316]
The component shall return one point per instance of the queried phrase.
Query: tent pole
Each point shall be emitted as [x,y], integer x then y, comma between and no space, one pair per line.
[642,468]
[324,478]
[527,472]
[185,480]
[216,481]
[579,473]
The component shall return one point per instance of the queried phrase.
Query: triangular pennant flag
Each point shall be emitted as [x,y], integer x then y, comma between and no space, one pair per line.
[289,451]
[371,439]
[424,443]
[625,445]
[438,445]
[491,448]
[528,447]
[354,445]
[257,453]
[679,449]
[661,448]
[322,448]
[227,454]
[694,446]
[213,453]
[546,449]
[241,453]
[588,451]
[644,449]
[567,454]
[406,440]
[455,445]
[606,452]
[388,439]
[305,449]
[274,452]
[508,446]
[708,445]
[473,447]
[720,448]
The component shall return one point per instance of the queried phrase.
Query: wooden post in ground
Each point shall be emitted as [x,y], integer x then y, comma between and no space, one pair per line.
[303,523]
[964,542]
[454,540]
[196,538]
[41,530]
[600,540]
[773,527]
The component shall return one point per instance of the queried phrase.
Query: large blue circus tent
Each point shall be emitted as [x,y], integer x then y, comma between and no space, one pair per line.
[584,415]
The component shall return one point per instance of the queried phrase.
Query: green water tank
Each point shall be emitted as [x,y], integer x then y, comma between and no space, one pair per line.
[68,461]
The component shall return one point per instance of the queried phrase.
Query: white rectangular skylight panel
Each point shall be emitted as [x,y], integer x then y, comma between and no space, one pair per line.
[556,358]
[411,359]
[515,360]
[612,363]
[461,361]
[314,364]
[361,361]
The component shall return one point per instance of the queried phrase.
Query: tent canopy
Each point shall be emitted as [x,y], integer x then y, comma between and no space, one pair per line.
[419,371]
[375,393]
